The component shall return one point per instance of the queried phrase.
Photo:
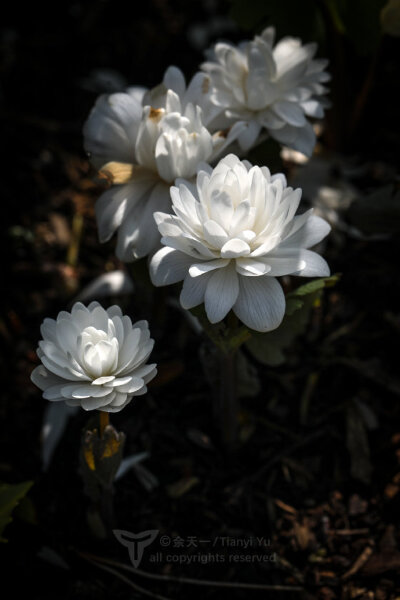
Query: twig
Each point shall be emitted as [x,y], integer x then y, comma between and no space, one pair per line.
[189,580]
[287,451]
[364,531]
[136,587]
[278,428]
[73,249]
[360,562]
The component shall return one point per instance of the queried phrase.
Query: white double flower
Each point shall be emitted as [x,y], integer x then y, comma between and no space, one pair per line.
[272,88]
[94,358]
[143,142]
[230,237]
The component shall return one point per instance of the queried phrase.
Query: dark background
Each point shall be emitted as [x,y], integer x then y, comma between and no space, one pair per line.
[292,480]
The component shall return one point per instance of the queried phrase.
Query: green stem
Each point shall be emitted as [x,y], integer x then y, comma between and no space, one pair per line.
[229,402]
[227,336]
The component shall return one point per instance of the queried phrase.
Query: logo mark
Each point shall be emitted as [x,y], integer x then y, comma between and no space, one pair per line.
[136,542]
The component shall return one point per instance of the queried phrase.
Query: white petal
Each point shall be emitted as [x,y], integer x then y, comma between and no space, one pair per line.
[214,234]
[235,248]
[169,266]
[301,139]
[312,232]
[250,267]
[174,80]
[44,378]
[78,391]
[190,246]
[103,380]
[316,266]
[221,293]
[204,267]
[193,290]
[111,129]
[249,136]
[285,265]
[138,234]
[114,205]
[313,108]
[261,303]
[67,335]
[133,385]
[129,349]
[48,330]
[148,238]
[54,393]
[95,403]
[290,112]
[146,372]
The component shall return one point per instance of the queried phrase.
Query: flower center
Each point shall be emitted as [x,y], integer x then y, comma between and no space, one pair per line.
[99,353]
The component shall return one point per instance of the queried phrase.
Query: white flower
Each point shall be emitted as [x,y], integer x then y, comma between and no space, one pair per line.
[94,358]
[143,149]
[274,88]
[231,236]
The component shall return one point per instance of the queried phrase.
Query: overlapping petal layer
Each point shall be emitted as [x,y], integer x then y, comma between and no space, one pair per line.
[143,145]
[270,87]
[229,238]
[94,358]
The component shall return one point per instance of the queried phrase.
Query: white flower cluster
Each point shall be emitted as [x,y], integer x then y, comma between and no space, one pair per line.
[144,140]
[229,232]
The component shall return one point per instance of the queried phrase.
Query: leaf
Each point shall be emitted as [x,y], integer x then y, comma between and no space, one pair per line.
[52,557]
[268,348]
[378,212]
[181,487]
[282,14]
[55,420]
[335,14]
[314,286]
[362,22]
[199,438]
[390,18]
[357,445]
[10,497]
[129,462]
[109,284]
[148,480]
[26,511]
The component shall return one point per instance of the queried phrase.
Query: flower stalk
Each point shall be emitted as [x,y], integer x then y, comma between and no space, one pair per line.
[227,337]
[100,458]
[104,419]
[228,401]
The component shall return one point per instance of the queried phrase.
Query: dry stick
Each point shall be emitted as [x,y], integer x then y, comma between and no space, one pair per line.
[296,446]
[189,580]
[73,250]
[359,563]
[136,587]
[364,531]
